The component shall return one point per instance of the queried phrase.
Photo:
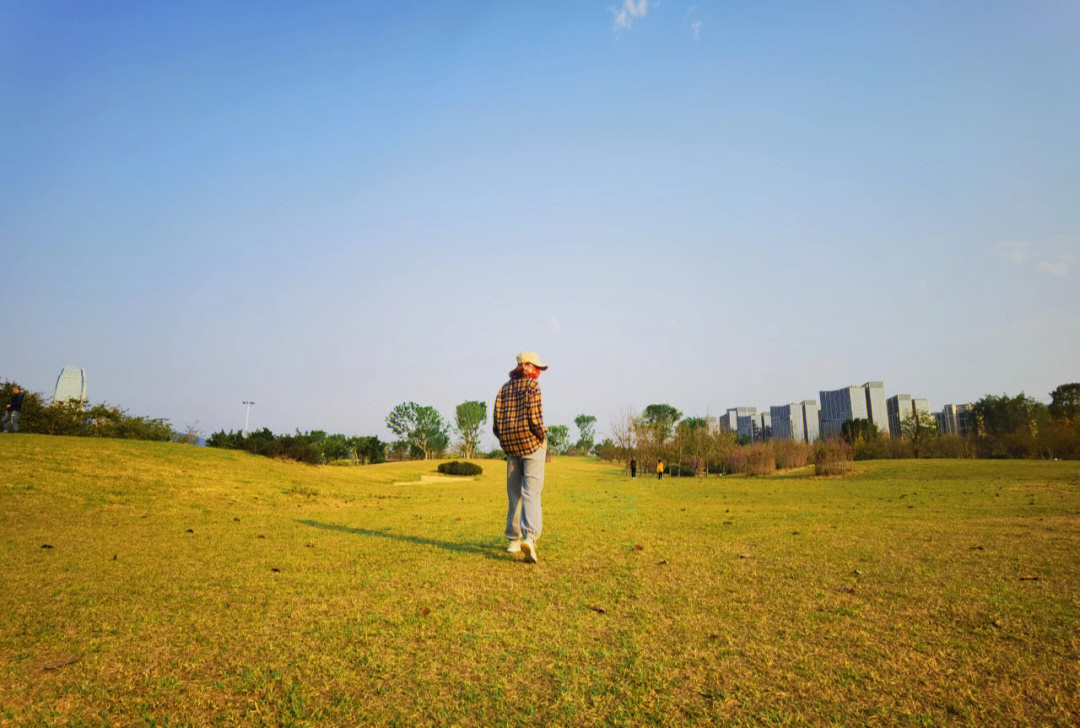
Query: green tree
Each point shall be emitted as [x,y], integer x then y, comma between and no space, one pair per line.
[694,423]
[558,437]
[858,429]
[920,427]
[586,425]
[335,447]
[470,417]
[1005,415]
[1065,402]
[607,450]
[369,450]
[422,427]
[660,419]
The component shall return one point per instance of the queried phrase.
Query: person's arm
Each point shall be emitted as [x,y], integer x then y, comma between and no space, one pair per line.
[536,413]
[495,417]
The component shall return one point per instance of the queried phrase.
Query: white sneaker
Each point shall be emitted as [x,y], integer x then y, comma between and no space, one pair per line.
[513,547]
[529,547]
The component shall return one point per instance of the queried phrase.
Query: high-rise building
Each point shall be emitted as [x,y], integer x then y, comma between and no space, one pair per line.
[787,422]
[796,421]
[70,385]
[729,421]
[762,427]
[902,407]
[876,410]
[740,420]
[840,405]
[811,420]
[956,419]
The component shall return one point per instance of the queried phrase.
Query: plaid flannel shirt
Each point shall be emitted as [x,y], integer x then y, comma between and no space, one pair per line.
[519,417]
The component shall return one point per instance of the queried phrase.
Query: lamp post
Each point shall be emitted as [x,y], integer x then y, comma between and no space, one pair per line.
[247,415]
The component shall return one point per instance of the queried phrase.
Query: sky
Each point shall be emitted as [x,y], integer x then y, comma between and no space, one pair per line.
[332,208]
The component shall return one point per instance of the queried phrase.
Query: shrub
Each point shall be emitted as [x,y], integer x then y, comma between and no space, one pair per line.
[696,465]
[1060,439]
[679,471]
[760,460]
[869,448]
[190,436]
[953,446]
[896,448]
[460,467]
[756,459]
[790,454]
[833,457]
[496,454]
[295,447]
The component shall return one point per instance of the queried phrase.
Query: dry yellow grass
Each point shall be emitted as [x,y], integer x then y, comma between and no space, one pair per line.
[187,586]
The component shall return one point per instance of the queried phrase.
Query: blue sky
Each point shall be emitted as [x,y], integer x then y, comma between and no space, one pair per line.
[331,208]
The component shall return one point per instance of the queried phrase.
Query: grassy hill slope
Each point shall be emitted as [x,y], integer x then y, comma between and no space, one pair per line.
[184,585]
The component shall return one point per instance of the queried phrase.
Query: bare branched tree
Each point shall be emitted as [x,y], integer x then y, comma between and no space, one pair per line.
[624,431]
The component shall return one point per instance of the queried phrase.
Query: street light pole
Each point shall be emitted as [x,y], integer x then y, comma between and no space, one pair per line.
[247,414]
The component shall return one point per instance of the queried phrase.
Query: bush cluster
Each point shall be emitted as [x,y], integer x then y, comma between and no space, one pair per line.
[460,467]
[833,457]
[790,454]
[79,420]
[755,459]
[314,448]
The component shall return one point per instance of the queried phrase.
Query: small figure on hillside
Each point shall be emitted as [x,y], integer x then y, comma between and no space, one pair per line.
[659,469]
[10,420]
[518,422]
[633,468]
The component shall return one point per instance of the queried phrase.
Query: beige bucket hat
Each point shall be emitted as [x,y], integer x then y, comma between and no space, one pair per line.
[531,357]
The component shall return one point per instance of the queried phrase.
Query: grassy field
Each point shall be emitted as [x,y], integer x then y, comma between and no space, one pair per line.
[158,584]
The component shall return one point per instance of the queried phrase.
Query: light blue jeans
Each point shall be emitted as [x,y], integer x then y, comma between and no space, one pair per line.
[10,421]
[524,483]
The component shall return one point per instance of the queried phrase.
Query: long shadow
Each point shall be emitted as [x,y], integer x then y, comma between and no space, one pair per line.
[486,550]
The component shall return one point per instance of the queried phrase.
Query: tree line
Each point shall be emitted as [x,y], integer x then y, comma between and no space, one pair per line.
[78,419]
[314,448]
[1001,426]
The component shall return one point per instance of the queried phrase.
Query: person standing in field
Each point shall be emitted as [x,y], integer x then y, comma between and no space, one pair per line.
[518,422]
[633,468]
[659,469]
[10,420]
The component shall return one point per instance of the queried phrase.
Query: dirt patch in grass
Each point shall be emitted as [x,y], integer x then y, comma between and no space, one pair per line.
[436,479]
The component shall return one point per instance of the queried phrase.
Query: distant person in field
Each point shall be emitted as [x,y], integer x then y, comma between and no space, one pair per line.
[10,421]
[633,468]
[659,469]
[518,422]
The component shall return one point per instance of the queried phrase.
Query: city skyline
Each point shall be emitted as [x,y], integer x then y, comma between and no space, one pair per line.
[332,209]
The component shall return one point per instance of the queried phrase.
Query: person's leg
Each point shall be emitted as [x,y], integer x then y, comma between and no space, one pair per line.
[14,421]
[532,514]
[514,471]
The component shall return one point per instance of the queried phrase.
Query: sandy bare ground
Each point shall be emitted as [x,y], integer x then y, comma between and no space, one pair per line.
[435,479]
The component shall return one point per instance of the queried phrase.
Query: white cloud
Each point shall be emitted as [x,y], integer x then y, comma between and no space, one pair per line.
[556,325]
[696,25]
[1014,251]
[624,16]
[1060,268]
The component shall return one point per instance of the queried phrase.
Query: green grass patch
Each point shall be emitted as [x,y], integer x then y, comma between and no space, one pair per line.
[162,584]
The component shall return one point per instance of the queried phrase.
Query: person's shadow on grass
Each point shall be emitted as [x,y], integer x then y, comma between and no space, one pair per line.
[487,550]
